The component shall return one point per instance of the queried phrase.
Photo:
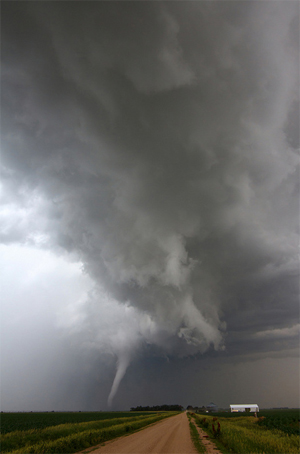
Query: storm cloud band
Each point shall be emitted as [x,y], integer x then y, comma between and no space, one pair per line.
[157,143]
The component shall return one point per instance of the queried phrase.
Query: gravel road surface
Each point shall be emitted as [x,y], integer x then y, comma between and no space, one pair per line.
[170,436]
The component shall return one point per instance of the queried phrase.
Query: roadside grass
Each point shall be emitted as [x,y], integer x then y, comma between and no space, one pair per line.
[244,435]
[195,438]
[70,438]
[218,444]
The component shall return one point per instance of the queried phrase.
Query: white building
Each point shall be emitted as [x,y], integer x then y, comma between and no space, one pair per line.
[244,407]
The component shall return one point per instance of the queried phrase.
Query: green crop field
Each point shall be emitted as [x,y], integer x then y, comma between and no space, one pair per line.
[43,433]
[275,431]
[294,412]
[40,420]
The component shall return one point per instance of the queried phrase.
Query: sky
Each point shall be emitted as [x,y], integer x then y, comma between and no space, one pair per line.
[149,228]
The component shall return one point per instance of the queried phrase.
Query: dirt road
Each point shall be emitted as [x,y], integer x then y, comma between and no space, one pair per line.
[170,436]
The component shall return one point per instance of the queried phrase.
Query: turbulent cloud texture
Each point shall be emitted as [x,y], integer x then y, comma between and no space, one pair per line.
[157,144]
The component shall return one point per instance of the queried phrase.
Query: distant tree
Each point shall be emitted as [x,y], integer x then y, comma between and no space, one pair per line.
[158,408]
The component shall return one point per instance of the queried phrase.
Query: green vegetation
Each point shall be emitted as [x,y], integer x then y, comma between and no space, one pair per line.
[246,434]
[73,437]
[287,422]
[40,420]
[291,412]
[195,436]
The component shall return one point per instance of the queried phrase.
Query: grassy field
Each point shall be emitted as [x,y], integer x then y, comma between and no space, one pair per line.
[273,432]
[40,420]
[67,437]
[290,412]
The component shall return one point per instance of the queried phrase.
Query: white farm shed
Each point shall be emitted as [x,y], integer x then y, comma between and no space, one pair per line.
[244,407]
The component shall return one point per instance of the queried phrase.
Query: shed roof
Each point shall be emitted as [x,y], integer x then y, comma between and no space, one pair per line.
[243,405]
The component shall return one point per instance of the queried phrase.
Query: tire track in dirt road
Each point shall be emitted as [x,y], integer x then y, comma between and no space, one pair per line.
[170,436]
[209,445]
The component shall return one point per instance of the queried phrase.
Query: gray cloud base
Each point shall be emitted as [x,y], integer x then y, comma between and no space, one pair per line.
[157,144]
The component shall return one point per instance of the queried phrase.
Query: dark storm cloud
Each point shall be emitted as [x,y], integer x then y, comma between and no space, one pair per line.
[157,143]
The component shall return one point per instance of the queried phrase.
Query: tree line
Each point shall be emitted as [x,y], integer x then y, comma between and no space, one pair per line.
[158,408]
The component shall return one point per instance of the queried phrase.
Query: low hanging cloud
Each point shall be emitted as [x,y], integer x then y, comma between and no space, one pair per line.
[155,143]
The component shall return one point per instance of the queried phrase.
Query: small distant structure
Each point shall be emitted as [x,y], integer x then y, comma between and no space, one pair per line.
[244,408]
[211,407]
